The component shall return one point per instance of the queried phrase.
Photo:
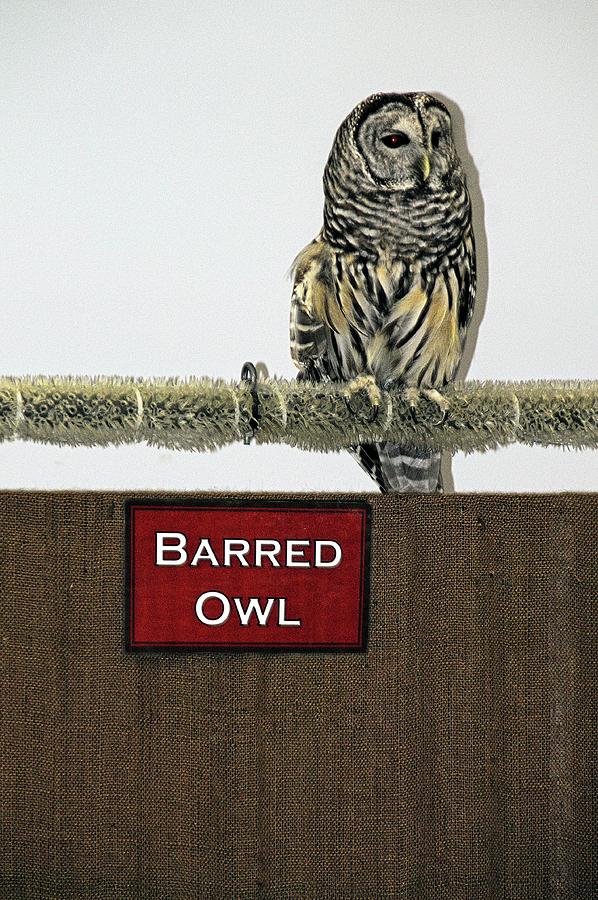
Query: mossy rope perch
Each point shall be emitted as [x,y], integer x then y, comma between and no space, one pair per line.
[205,413]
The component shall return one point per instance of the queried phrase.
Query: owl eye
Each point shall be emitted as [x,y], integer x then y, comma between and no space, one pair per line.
[436,135]
[396,139]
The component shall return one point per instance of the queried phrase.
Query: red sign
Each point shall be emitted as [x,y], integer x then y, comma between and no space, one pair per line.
[247,575]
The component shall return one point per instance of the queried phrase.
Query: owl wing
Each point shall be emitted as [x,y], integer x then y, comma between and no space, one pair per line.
[308,335]
[314,312]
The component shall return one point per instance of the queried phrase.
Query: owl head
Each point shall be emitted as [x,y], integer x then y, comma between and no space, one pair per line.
[398,142]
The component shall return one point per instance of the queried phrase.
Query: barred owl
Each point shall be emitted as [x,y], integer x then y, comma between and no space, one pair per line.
[382,297]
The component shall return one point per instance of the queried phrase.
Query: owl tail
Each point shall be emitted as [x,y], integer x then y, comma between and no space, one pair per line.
[406,470]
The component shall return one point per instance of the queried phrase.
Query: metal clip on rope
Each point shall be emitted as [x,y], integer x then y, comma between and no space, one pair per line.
[249,374]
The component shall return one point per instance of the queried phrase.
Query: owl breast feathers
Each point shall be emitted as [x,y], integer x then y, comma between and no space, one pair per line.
[387,288]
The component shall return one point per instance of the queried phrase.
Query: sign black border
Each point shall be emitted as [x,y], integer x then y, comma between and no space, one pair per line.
[294,502]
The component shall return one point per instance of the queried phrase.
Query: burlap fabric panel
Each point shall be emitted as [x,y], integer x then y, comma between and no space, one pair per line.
[453,759]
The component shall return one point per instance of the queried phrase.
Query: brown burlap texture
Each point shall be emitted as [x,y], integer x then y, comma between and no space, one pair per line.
[453,759]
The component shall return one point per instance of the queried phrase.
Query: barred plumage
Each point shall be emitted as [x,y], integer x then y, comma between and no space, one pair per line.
[387,288]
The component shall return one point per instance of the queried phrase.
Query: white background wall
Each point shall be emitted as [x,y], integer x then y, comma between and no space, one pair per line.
[161,166]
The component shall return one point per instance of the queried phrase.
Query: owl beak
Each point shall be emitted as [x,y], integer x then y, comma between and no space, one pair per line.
[424,165]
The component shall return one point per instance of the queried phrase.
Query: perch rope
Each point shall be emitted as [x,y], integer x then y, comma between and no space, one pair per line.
[204,413]
[233,394]
[139,407]
[517,418]
[283,406]
[18,412]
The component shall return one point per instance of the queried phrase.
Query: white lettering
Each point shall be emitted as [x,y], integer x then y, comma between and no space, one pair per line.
[204,551]
[173,549]
[294,553]
[254,606]
[282,620]
[162,548]
[235,548]
[208,596]
[330,564]
[260,552]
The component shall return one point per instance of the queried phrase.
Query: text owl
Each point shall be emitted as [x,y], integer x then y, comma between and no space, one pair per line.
[384,294]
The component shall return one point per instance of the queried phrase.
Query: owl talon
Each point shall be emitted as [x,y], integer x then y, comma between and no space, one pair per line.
[349,407]
[441,402]
[355,412]
[363,384]
[413,396]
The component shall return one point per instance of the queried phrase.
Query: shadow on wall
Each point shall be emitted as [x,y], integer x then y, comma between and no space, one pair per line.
[479,229]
